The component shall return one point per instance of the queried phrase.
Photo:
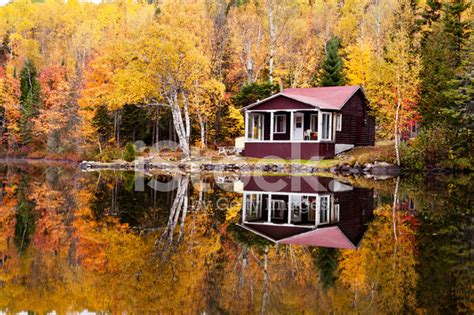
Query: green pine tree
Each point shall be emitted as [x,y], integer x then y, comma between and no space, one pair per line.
[254,92]
[442,54]
[326,261]
[30,96]
[25,217]
[332,74]
[458,29]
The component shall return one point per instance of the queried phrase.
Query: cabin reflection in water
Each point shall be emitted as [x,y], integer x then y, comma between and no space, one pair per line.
[313,211]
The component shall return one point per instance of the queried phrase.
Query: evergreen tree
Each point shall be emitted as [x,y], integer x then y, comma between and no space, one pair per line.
[30,93]
[442,52]
[332,74]
[25,217]
[457,29]
[326,261]
[254,92]
[429,16]
[103,122]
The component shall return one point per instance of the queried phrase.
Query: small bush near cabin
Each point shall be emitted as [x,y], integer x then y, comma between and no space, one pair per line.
[130,152]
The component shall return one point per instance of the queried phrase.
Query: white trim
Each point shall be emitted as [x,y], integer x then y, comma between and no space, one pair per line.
[330,121]
[269,206]
[286,193]
[286,141]
[283,110]
[274,117]
[246,125]
[292,124]
[305,226]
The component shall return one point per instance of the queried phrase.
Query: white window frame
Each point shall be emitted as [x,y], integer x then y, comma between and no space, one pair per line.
[251,126]
[328,214]
[329,133]
[253,206]
[338,122]
[275,123]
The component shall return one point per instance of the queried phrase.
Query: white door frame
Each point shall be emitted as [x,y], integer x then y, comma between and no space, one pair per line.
[298,133]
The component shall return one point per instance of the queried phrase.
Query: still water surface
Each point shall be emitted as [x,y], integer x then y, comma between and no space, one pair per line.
[111,243]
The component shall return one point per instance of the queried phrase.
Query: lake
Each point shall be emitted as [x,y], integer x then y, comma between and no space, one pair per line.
[120,242]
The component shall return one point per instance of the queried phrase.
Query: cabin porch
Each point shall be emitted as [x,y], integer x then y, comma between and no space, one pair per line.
[290,134]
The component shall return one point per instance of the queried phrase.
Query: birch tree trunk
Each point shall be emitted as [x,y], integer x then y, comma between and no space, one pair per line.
[202,129]
[397,115]
[394,208]
[265,281]
[183,131]
[272,29]
[187,126]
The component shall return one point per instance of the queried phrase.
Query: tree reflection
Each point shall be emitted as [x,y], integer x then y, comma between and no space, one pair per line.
[98,245]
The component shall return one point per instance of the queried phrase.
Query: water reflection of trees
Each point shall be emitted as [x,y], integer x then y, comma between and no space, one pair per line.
[98,245]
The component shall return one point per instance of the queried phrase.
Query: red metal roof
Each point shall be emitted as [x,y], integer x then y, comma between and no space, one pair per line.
[331,237]
[328,97]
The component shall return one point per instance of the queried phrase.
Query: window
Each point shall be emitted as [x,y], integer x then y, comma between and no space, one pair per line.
[338,122]
[279,124]
[326,126]
[314,123]
[253,207]
[324,209]
[298,121]
[335,216]
[255,126]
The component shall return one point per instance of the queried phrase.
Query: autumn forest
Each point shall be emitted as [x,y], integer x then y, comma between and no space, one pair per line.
[88,81]
[81,80]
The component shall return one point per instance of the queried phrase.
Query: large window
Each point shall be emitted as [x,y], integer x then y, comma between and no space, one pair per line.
[326,126]
[324,207]
[253,207]
[279,124]
[255,126]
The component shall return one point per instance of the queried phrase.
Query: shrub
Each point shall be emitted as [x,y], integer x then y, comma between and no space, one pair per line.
[434,145]
[410,157]
[109,154]
[130,152]
[437,146]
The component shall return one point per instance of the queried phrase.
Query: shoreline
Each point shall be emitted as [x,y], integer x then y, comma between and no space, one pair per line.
[378,170]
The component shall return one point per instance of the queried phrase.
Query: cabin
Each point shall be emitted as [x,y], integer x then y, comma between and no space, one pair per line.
[308,123]
[311,211]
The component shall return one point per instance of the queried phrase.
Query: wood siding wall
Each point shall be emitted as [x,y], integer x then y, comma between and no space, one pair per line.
[299,184]
[281,102]
[288,150]
[358,127]
[356,210]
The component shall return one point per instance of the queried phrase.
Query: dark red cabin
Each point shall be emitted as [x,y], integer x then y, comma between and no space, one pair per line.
[308,123]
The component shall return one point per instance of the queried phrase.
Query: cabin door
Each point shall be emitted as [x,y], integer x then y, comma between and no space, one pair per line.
[298,129]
